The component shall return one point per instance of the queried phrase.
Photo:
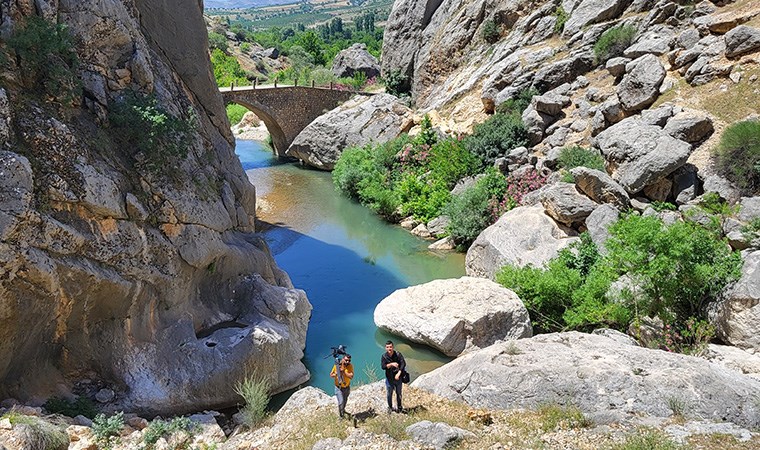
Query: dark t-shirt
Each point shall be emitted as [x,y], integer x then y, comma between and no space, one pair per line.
[390,372]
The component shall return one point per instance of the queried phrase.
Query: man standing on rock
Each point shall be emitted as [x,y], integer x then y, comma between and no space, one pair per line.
[392,362]
[342,374]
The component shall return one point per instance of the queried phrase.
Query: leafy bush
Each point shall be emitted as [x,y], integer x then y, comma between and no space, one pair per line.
[613,41]
[562,17]
[80,406]
[496,136]
[217,41]
[470,211]
[356,82]
[568,292]
[107,429]
[159,138]
[39,434]
[235,113]
[738,155]
[679,268]
[396,83]
[517,104]
[245,47]
[158,429]
[255,393]
[46,57]
[663,206]
[353,170]
[490,31]
[227,70]
[575,156]
[411,176]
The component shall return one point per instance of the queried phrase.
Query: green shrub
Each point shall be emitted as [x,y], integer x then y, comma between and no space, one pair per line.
[353,168]
[495,137]
[245,47]
[679,268]
[227,69]
[450,161]
[490,31]
[568,293]
[470,211]
[396,83]
[46,57]
[613,41]
[518,103]
[575,156]
[738,155]
[159,139]
[663,206]
[107,429]
[562,17]
[39,434]
[420,197]
[181,429]
[356,82]
[217,41]
[80,406]
[235,113]
[255,393]
[322,76]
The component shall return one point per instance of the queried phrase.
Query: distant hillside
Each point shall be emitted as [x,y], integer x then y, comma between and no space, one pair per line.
[229,4]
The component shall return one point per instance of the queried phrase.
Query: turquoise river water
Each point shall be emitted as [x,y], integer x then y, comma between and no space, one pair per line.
[345,258]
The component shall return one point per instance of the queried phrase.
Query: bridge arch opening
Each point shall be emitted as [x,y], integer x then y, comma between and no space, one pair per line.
[279,141]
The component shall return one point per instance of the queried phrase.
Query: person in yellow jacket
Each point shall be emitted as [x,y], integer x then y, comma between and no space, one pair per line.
[342,375]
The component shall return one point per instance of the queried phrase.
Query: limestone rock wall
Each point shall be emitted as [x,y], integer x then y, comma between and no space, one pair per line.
[154,285]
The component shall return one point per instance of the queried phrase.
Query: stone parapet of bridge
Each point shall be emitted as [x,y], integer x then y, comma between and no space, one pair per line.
[287,110]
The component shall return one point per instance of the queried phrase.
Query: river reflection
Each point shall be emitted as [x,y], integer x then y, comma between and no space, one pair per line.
[345,258]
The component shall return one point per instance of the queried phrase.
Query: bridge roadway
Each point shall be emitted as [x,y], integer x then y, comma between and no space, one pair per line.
[286,110]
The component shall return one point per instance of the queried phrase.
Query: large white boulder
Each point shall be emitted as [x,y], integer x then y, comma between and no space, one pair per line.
[603,377]
[523,236]
[455,315]
[357,122]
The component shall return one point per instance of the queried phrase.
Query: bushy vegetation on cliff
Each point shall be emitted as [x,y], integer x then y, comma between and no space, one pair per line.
[649,270]
[738,155]
[44,52]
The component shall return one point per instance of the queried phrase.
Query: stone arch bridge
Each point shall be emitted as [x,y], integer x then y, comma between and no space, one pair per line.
[286,110]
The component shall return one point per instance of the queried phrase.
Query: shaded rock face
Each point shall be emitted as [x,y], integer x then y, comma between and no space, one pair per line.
[153,285]
[378,119]
[522,236]
[355,59]
[737,316]
[455,315]
[599,375]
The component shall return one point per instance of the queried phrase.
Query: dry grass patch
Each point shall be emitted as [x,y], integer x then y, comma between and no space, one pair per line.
[737,102]
[313,428]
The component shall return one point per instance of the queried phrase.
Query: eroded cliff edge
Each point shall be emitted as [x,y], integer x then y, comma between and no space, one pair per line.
[152,282]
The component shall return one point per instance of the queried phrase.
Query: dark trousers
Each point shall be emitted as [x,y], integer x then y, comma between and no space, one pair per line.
[342,395]
[390,386]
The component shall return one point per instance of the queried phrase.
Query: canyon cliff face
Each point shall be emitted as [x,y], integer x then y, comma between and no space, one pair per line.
[150,282]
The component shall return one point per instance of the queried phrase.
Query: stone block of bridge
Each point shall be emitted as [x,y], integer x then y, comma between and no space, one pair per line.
[286,110]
